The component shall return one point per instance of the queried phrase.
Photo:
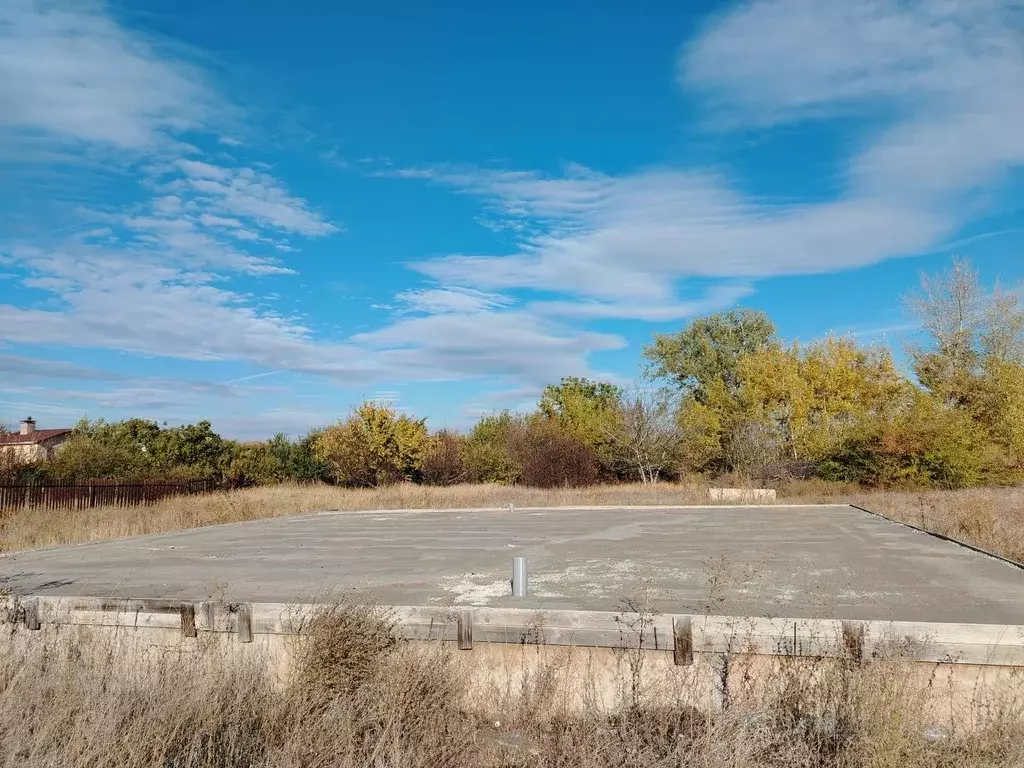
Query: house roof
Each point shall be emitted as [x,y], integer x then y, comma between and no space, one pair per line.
[39,436]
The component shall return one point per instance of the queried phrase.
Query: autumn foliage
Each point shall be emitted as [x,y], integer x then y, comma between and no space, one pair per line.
[723,396]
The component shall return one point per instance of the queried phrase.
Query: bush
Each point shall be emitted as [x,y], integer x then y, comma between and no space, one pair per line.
[442,463]
[489,455]
[553,459]
[374,446]
[929,446]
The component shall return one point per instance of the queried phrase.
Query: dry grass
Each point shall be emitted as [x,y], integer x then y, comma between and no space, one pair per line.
[356,696]
[991,518]
[28,528]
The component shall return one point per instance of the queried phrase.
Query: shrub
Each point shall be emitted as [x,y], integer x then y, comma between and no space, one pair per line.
[374,446]
[489,455]
[442,462]
[553,459]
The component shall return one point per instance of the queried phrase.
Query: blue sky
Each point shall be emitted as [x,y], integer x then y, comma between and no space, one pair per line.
[261,215]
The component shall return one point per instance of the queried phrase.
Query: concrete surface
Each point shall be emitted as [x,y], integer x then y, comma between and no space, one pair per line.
[800,562]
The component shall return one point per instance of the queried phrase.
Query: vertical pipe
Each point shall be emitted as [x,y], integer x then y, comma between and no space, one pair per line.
[519,577]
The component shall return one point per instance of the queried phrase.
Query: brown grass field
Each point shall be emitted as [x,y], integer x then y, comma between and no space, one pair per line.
[991,518]
[355,696]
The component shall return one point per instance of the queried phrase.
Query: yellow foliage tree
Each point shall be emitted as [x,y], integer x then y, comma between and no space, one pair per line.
[814,397]
[588,411]
[375,446]
[998,405]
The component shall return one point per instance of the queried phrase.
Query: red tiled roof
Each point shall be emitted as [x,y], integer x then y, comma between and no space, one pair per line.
[39,436]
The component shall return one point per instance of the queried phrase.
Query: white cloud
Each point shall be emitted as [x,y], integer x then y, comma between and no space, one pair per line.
[249,193]
[638,235]
[19,369]
[138,303]
[716,298]
[181,239]
[951,72]
[71,71]
[516,345]
[210,220]
[940,83]
[442,300]
[773,60]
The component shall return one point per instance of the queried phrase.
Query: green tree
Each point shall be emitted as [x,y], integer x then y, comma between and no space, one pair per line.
[115,450]
[927,444]
[489,455]
[192,450]
[304,463]
[375,446]
[588,411]
[255,464]
[709,350]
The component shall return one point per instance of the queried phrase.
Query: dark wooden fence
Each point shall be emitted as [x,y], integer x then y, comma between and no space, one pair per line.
[95,493]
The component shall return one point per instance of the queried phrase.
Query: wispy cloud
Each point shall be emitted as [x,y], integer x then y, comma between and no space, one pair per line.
[447,300]
[253,194]
[940,83]
[72,72]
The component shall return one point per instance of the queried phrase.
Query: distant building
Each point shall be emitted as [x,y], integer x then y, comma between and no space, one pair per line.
[31,444]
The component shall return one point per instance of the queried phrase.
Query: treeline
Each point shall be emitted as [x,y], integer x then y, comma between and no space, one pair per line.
[725,395]
[142,450]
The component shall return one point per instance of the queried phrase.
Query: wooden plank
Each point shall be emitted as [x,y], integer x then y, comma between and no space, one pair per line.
[188,620]
[933,642]
[682,637]
[31,609]
[243,615]
[466,630]
[853,640]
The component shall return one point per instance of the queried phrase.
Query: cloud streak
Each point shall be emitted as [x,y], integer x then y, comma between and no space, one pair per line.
[943,82]
[73,73]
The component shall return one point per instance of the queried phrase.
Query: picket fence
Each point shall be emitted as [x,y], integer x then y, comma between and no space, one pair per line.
[95,493]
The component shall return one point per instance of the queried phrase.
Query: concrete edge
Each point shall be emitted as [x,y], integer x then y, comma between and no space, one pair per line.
[580,508]
[942,536]
[930,642]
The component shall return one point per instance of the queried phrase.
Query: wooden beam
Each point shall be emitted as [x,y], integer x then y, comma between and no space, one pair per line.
[682,641]
[853,640]
[243,615]
[466,630]
[32,615]
[188,620]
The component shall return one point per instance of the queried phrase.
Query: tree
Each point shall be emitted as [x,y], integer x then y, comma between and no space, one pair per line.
[552,457]
[704,428]
[966,326]
[998,405]
[586,410]
[193,450]
[489,455]
[255,464]
[927,444]
[811,397]
[709,350]
[646,435]
[375,446]
[101,449]
[304,464]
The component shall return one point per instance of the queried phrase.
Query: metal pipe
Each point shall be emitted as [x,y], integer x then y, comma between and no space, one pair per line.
[519,577]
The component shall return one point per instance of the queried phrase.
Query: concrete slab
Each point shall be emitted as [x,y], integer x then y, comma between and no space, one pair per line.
[804,562]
